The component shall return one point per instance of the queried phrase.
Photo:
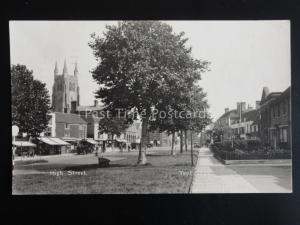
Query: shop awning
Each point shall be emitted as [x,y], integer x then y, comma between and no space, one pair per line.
[23,144]
[121,140]
[101,139]
[70,139]
[60,142]
[53,141]
[91,141]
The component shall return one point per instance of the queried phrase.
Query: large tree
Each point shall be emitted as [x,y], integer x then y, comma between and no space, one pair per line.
[30,101]
[140,63]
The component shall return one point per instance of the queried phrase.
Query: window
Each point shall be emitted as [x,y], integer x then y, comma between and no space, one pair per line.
[278,110]
[48,132]
[273,111]
[283,135]
[67,133]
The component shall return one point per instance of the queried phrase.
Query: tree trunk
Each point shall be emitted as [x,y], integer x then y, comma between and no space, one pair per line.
[142,160]
[192,156]
[173,142]
[121,147]
[104,147]
[181,142]
[185,139]
[112,142]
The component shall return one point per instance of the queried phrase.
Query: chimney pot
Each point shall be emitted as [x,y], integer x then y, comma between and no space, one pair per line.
[95,102]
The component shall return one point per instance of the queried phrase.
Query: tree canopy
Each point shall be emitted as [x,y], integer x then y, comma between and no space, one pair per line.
[30,101]
[143,65]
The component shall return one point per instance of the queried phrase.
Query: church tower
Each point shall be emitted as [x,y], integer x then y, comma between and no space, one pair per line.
[65,92]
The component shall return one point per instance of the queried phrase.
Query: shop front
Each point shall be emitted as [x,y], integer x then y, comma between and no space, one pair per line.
[74,142]
[52,146]
[23,148]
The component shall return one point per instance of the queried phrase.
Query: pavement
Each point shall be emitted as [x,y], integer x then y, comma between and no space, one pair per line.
[211,176]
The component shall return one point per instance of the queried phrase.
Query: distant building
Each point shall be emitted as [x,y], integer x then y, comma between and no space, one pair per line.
[92,115]
[65,94]
[68,127]
[161,139]
[241,122]
[275,118]
[247,127]
[224,122]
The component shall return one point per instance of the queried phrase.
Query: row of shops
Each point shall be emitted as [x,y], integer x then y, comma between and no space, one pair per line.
[53,146]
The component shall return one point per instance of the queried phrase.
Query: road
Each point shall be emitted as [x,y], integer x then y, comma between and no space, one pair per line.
[211,176]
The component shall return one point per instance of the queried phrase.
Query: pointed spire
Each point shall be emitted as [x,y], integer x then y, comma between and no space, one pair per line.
[56,69]
[65,69]
[75,70]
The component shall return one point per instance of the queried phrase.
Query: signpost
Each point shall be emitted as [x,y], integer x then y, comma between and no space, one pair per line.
[15,131]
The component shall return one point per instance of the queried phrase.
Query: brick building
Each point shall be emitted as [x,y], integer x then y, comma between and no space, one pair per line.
[275,118]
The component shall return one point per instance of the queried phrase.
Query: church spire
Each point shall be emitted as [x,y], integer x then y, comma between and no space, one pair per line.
[56,69]
[65,69]
[75,70]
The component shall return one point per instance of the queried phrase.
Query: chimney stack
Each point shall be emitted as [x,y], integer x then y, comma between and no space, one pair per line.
[226,110]
[95,102]
[241,107]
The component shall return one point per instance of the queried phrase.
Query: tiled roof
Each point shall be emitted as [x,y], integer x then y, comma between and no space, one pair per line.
[233,113]
[69,118]
[250,115]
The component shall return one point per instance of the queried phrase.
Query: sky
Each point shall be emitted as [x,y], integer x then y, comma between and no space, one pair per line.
[245,56]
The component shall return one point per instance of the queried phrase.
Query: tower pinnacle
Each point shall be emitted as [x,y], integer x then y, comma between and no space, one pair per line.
[75,70]
[56,69]
[65,69]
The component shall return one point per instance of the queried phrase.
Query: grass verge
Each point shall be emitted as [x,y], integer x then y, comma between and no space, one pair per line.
[162,174]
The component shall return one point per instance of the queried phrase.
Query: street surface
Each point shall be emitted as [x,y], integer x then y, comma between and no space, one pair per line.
[211,176]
